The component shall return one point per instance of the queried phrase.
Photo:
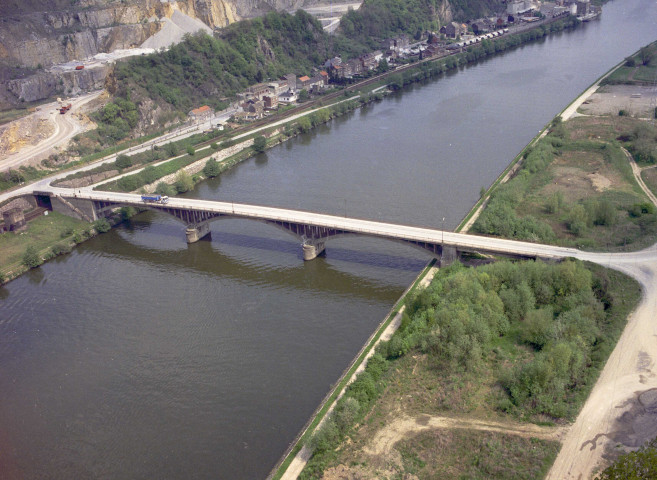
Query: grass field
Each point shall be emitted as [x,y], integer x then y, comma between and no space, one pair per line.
[644,69]
[576,188]
[42,233]
[649,176]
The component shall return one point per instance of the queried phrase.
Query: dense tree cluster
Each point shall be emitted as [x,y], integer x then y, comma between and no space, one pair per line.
[550,309]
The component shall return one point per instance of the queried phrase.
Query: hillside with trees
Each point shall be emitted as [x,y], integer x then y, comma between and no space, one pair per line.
[377,20]
[209,70]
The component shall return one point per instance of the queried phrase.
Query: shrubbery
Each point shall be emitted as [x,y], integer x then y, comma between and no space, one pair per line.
[639,465]
[211,168]
[31,257]
[552,309]
[102,225]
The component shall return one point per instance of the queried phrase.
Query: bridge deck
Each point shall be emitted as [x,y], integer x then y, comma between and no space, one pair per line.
[463,242]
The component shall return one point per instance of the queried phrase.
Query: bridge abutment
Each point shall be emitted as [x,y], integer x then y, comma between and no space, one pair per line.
[312,250]
[196,232]
[74,207]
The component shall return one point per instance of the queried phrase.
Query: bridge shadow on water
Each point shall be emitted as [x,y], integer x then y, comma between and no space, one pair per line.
[372,259]
[223,254]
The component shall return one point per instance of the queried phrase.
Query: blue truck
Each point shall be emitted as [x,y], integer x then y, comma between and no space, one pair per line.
[154,198]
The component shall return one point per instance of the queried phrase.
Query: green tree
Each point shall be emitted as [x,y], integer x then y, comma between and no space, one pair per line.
[123,161]
[171,149]
[304,96]
[164,188]
[259,144]
[605,213]
[31,257]
[184,182]
[304,124]
[212,168]
[190,151]
[645,55]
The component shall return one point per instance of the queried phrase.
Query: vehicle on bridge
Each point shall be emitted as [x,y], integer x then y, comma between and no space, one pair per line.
[155,198]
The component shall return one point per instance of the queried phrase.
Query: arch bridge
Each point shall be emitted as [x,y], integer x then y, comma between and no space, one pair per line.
[313,229]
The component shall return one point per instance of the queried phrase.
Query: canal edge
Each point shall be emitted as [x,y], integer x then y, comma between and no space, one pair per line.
[514,166]
[296,448]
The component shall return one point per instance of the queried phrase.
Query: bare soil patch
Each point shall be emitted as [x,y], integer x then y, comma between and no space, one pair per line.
[634,99]
[578,175]
[26,131]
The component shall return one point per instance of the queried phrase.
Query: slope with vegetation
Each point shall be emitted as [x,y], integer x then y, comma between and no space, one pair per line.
[209,70]
[506,341]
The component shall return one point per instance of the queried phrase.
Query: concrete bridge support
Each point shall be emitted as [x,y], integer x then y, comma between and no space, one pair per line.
[196,232]
[448,255]
[312,249]
[74,207]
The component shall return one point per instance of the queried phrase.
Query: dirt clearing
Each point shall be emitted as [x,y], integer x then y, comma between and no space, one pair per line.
[636,100]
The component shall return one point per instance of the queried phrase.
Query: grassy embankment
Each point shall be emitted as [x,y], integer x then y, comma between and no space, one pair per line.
[639,68]
[48,235]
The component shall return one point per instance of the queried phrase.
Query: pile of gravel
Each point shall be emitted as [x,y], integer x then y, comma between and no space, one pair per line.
[174,29]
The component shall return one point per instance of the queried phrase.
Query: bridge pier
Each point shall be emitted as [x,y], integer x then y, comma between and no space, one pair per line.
[447,255]
[196,232]
[312,250]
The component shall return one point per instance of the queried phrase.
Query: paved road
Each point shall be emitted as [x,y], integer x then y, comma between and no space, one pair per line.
[622,261]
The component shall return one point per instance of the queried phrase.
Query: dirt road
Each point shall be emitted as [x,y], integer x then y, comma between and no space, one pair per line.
[386,438]
[65,127]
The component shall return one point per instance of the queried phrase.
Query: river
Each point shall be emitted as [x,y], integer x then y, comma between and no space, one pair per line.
[138,356]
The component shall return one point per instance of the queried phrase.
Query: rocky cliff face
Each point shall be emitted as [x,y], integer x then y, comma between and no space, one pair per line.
[51,36]
[36,34]
[46,84]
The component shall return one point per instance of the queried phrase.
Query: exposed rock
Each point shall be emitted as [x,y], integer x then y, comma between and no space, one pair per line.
[34,33]
[46,84]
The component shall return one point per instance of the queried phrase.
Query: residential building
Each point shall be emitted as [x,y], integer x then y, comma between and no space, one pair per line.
[287,97]
[200,114]
[271,102]
[371,60]
[255,107]
[454,29]
[332,62]
[291,80]
[303,83]
[276,88]
[257,90]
